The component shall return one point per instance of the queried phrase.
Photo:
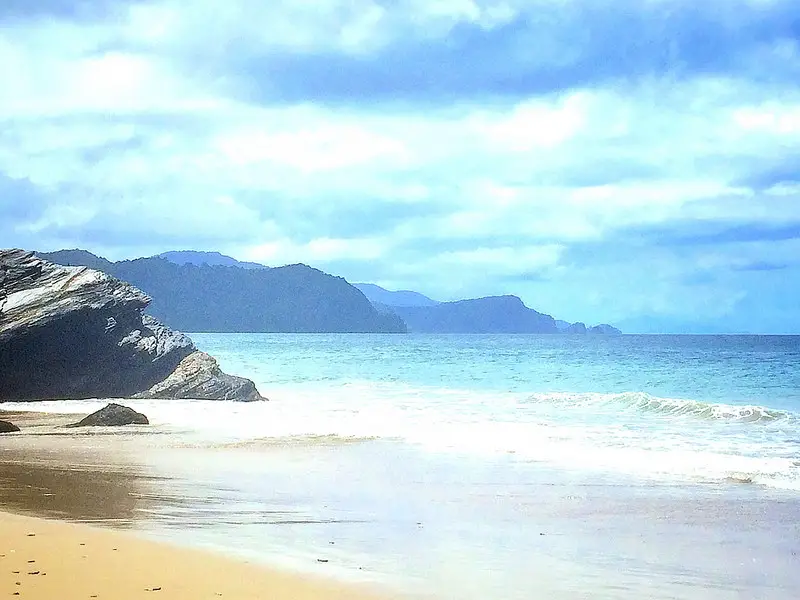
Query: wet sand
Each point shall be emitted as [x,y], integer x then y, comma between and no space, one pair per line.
[78,475]
[57,487]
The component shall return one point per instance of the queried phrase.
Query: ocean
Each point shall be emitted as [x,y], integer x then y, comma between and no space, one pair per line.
[489,466]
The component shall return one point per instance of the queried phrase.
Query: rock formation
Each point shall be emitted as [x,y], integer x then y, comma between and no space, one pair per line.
[604,329]
[72,333]
[112,415]
[579,328]
[199,376]
[6,427]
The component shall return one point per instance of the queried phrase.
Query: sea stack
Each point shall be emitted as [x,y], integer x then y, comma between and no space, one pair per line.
[75,333]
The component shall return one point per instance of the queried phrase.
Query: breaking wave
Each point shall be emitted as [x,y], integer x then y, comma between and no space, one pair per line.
[626,433]
[640,402]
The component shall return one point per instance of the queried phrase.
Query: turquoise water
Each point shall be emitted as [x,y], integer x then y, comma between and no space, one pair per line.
[681,408]
[496,466]
[729,369]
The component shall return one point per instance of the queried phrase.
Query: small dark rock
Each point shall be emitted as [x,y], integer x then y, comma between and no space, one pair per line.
[112,415]
[6,427]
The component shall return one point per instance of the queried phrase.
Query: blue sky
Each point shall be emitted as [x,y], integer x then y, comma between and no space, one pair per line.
[627,161]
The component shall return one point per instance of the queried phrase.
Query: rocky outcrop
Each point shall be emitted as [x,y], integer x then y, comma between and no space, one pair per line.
[72,332]
[579,328]
[6,427]
[604,329]
[199,376]
[112,415]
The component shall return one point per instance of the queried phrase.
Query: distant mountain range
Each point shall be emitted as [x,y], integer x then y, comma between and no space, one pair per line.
[494,314]
[212,259]
[208,291]
[378,295]
[216,298]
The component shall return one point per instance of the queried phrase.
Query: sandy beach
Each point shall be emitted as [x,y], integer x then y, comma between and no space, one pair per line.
[57,557]
[198,511]
[45,559]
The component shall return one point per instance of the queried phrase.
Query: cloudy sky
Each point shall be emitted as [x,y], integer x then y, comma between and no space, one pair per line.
[626,161]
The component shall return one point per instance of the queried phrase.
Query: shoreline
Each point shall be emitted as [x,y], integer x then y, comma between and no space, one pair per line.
[44,559]
[408,522]
[77,487]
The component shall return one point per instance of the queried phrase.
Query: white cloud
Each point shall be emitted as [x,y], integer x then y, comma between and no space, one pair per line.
[535,124]
[141,122]
[501,260]
[317,251]
[329,146]
[772,118]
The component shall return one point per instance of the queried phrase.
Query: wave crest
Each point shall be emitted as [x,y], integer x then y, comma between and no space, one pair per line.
[642,402]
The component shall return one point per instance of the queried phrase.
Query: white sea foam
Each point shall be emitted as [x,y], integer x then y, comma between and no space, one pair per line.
[631,433]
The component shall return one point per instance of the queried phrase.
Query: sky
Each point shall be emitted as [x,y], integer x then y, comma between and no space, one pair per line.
[635,162]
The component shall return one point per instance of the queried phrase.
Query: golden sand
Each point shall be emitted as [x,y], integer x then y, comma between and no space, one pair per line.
[52,560]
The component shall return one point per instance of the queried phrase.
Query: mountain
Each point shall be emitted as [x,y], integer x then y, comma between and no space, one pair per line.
[77,258]
[193,257]
[379,295]
[208,291]
[295,298]
[495,314]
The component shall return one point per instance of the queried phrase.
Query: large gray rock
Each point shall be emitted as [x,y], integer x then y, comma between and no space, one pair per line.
[72,332]
[199,376]
[112,415]
[6,427]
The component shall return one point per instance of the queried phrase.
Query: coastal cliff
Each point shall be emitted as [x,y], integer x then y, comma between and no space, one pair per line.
[74,332]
